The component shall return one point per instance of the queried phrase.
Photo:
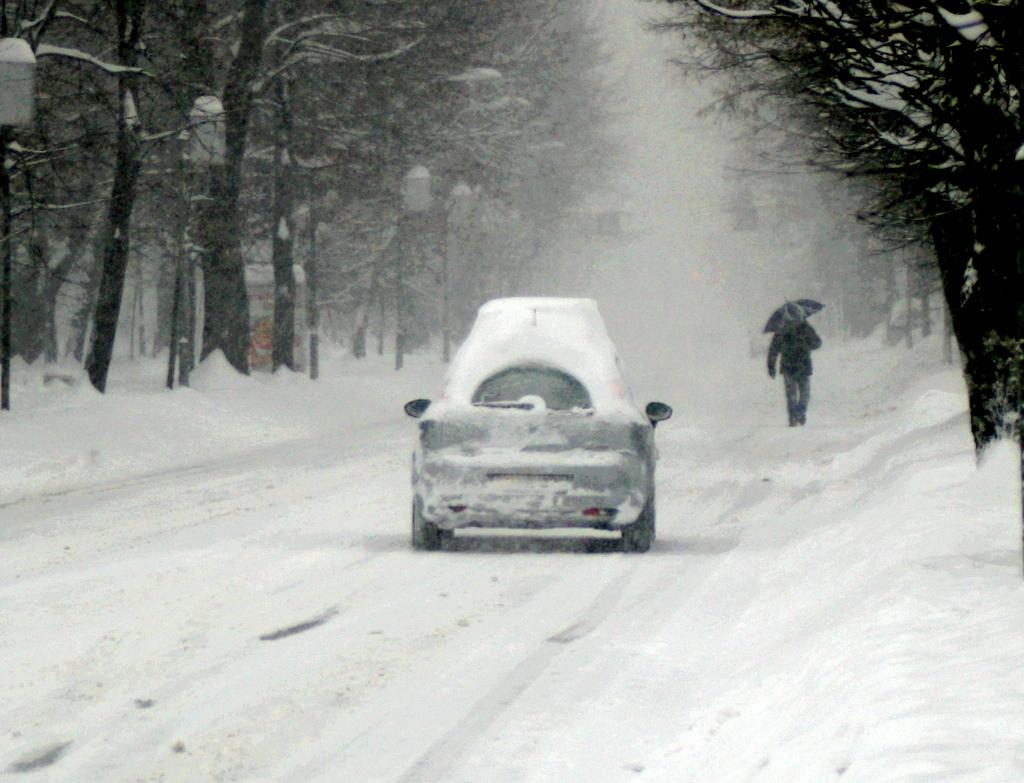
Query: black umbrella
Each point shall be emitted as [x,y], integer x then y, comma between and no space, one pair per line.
[791,313]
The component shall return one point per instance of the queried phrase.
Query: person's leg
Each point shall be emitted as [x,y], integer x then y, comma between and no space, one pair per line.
[792,399]
[804,389]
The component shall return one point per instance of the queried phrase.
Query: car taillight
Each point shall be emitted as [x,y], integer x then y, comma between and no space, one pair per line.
[600,512]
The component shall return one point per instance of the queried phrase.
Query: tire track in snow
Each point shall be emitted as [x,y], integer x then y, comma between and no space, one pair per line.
[608,666]
[436,763]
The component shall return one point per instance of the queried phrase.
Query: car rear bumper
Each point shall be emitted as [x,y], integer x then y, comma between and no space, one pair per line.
[581,489]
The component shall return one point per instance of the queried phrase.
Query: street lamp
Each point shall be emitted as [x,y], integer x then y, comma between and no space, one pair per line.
[17,108]
[17,82]
[416,202]
[459,213]
[416,195]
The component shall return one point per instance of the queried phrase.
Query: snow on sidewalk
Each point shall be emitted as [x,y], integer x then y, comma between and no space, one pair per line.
[884,642]
[61,436]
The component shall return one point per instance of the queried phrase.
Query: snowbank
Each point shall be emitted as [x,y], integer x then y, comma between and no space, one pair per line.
[62,434]
[881,637]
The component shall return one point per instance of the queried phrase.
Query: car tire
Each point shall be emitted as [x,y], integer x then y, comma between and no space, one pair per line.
[426,536]
[639,536]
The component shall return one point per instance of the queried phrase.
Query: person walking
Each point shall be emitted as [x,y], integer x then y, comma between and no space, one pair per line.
[794,342]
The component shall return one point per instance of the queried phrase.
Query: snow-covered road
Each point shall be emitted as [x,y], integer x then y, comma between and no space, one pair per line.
[261,617]
[175,607]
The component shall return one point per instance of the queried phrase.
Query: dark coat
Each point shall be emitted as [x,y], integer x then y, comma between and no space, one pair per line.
[795,343]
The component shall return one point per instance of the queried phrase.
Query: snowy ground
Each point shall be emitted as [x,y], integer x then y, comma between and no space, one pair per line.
[216,584]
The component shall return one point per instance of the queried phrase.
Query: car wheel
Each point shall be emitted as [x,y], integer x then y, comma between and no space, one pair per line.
[639,536]
[426,535]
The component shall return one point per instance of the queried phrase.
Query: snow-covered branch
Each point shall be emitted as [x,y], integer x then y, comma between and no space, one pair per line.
[736,13]
[314,52]
[48,50]
[33,29]
[971,25]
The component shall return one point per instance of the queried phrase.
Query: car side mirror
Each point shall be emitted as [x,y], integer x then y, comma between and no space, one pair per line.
[416,408]
[657,411]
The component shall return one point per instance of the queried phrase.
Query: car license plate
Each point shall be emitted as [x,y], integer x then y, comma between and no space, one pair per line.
[523,479]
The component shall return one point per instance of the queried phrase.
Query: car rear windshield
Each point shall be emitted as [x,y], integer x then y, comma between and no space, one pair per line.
[559,390]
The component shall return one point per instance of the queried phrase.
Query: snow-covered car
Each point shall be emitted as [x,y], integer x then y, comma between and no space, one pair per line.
[535,428]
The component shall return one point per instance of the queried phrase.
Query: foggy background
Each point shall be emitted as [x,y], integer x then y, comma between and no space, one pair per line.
[686,287]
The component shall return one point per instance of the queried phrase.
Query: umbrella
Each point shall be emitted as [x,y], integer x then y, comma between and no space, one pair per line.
[791,313]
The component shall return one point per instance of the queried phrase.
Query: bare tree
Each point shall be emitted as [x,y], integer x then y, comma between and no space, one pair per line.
[925,98]
[129,21]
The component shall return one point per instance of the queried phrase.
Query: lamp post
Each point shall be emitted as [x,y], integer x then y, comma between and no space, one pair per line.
[416,201]
[205,146]
[17,108]
[460,207]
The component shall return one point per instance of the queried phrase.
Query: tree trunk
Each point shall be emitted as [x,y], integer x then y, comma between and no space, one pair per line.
[947,336]
[980,262]
[197,73]
[909,321]
[313,288]
[122,199]
[226,326]
[890,299]
[39,283]
[999,240]
[194,78]
[28,314]
[283,228]
[989,318]
[924,282]
[57,276]
[82,319]
[172,353]
[83,315]
[400,290]
[6,298]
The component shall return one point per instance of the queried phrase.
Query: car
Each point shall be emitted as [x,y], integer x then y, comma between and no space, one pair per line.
[536,429]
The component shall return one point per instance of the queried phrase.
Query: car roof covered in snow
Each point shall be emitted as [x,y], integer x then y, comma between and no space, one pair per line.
[562,333]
